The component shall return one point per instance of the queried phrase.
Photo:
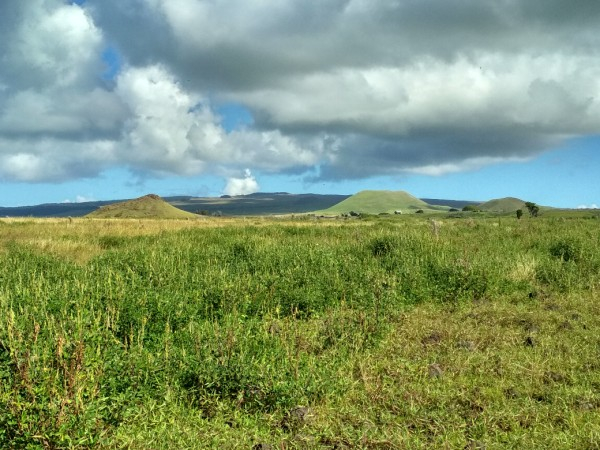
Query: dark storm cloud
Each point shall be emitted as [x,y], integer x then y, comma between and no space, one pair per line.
[245,44]
[431,152]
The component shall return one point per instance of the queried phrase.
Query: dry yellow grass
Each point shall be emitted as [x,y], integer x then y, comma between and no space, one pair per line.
[76,239]
[524,268]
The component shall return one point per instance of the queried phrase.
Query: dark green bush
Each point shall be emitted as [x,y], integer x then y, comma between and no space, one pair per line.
[566,250]
[451,282]
[382,246]
[235,381]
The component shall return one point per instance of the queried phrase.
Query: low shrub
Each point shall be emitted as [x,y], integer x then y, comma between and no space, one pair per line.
[566,250]
[382,246]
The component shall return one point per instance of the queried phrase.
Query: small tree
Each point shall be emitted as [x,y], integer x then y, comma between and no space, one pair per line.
[519,213]
[532,208]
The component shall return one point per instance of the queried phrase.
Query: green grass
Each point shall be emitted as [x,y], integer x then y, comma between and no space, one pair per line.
[375,202]
[300,334]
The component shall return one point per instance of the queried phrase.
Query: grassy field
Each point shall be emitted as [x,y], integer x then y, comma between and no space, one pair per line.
[263,333]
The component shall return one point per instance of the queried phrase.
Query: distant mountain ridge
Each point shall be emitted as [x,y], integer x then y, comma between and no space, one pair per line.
[260,203]
[54,209]
[457,204]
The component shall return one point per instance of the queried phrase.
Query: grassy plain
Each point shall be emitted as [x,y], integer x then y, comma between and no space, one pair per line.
[265,333]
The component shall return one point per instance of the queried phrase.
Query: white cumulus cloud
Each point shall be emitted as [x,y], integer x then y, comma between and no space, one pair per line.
[79,199]
[242,186]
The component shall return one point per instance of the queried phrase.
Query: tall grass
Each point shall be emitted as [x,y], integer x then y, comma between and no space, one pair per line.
[226,327]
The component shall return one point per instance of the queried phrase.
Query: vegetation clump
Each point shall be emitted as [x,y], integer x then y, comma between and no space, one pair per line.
[532,208]
[382,246]
[566,250]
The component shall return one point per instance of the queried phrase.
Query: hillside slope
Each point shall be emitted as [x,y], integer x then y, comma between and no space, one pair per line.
[376,202]
[506,204]
[150,206]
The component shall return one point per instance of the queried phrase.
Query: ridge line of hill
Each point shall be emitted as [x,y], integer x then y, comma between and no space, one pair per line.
[265,203]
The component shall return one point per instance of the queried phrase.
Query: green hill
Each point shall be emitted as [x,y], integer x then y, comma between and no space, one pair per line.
[376,202]
[150,206]
[507,204]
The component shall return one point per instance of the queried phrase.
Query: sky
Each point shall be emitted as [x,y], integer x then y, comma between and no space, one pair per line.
[464,99]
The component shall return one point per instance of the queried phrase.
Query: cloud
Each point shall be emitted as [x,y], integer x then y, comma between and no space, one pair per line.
[161,118]
[53,160]
[79,199]
[171,130]
[592,206]
[346,89]
[242,186]
[69,114]
[52,44]
[57,121]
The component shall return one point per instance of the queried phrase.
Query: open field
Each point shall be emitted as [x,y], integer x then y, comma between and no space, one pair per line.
[476,332]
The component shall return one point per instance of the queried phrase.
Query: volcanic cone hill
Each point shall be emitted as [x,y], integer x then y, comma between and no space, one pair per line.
[376,202]
[150,206]
[506,204]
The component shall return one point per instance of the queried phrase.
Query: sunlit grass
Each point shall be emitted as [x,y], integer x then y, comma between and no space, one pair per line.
[299,333]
